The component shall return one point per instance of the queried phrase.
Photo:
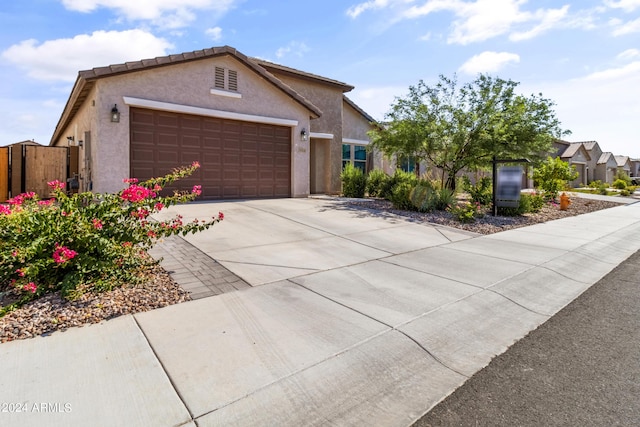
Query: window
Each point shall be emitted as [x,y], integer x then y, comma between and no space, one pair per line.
[407,163]
[355,154]
[226,79]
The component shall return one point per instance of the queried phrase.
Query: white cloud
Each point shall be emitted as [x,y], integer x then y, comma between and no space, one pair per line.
[215,33]
[480,20]
[488,62]
[626,5]
[631,70]
[164,13]
[628,54]
[626,28]
[61,59]
[357,10]
[296,48]
[549,19]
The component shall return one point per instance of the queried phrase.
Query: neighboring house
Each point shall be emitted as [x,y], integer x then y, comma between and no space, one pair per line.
[576,154]
[258,129]
[623,164]
[559,146]
[594,151]
[606,167]
[635,167]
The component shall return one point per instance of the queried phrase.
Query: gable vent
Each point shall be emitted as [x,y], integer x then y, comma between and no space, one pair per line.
[233,80]
[219,78]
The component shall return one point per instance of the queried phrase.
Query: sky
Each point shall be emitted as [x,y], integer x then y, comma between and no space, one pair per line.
[583,55]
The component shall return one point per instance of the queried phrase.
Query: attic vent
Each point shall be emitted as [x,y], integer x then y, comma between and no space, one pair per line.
[226,79]
[219,78]
[233,80]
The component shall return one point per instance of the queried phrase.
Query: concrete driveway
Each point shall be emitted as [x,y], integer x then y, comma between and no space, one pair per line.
[353,318]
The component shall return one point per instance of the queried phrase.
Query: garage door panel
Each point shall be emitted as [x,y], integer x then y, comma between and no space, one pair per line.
[238,159]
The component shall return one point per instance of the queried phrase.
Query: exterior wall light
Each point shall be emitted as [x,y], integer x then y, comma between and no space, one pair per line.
[304,135]
[115,114]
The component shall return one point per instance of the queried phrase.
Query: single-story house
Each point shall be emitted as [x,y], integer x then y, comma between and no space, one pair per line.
[258,129]
[624,164]
[606,167]
[576,154]
[594,151]
[635,167]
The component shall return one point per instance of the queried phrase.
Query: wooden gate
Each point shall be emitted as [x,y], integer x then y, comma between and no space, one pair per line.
[33,166]
[4,173]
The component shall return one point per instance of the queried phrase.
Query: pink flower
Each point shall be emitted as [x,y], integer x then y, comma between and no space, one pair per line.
[127,244]
[151,233]
[45,202]
[97,224]
[20,272]
[140,213]
[157,187]
[63,213]
[195,164]
[63,254]
[56,185]
[31,287]
[5,210]
[136,193]
[14,252]
[130,180]
[220,216]
[159,206]
[197,190]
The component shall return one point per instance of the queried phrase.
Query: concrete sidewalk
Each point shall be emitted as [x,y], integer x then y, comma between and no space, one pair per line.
[352,318]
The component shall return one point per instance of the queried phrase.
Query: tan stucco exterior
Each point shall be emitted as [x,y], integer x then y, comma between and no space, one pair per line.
[172,88]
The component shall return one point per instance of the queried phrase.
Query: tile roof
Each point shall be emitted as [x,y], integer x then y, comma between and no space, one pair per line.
[621,160]
[604,157]
[87,78]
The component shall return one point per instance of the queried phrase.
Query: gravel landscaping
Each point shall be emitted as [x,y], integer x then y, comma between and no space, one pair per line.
[52,312]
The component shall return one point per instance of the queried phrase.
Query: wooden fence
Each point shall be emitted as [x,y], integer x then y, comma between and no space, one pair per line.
[26,168]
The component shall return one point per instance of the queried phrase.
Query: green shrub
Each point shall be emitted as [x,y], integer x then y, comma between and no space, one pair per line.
[595,184]
[423,197]
[353,181]
[377,183]
[481,192]
[553,175]
[619,184]
[401,196]
[623,176]
[625,192]
[86,241]
[446,198]
[529,203]
[466,212]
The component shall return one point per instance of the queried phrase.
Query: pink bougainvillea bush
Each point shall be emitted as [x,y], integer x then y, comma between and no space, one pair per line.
[86,241]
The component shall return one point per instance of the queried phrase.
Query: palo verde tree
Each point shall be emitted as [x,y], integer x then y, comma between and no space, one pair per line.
[462,127]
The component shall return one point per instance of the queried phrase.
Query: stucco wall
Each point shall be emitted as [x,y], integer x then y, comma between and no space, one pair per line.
[329,100]
[187,84]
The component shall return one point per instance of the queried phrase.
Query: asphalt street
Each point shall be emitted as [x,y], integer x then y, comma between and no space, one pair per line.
[580,368]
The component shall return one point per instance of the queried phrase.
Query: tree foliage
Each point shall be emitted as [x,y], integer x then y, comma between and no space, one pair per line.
[553,176]
[456,127]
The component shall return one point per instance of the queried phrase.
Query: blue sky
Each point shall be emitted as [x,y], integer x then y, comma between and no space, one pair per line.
[584,55]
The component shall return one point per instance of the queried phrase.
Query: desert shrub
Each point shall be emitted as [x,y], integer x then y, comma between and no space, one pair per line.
[553,175]
[619,184]
[401,196]
[446,197]
[377,183]
[465,212]
[529,203]
[353,181]
[481,192]
[422,197]
[623,176]
[86,241]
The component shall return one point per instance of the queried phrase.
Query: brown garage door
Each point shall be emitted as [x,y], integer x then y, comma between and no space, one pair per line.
[238,159]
